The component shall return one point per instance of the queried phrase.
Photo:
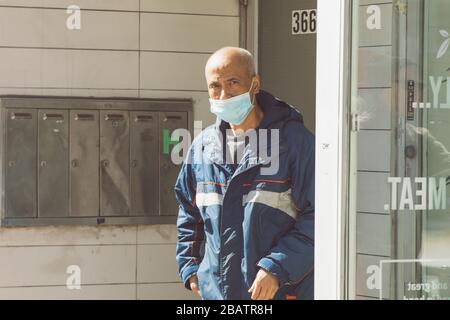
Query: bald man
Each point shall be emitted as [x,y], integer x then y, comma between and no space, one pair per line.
[246,192]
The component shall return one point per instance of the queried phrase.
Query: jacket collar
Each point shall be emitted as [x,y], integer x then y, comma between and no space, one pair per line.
[275,112]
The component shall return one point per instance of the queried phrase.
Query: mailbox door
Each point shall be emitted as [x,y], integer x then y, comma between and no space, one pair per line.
[53,169]
[168,122]
[144,163]
[84,163]
[20,180]
[115,163]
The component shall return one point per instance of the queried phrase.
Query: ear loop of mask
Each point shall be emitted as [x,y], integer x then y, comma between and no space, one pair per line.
[254,96]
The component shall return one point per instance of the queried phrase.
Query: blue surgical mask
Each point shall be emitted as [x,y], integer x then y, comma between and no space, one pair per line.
[234,110]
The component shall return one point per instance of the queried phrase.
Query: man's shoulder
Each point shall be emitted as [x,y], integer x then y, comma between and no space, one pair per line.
[297,136]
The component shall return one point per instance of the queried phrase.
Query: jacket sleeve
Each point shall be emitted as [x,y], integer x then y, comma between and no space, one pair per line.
[189,225]
[292,258]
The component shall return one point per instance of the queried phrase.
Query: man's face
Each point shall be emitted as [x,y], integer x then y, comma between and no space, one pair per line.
[228,79]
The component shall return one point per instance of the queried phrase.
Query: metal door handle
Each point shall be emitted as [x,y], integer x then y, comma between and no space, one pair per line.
[410,152]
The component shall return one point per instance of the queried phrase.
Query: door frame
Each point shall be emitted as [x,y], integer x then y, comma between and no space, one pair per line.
[333,74]
[332,152]
[406,224]
[249,26]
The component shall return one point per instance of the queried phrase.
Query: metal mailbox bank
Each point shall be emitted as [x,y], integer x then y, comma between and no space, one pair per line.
[88,161]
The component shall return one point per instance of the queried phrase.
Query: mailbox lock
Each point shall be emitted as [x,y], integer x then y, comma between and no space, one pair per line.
[11,163]
[43,163]
[75,163]
[105,163]
[134,163]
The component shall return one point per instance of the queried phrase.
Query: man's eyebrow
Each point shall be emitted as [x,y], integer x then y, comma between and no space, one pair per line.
[215,82]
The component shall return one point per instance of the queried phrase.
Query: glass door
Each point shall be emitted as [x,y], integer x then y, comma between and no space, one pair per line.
[399,214]
[435,241]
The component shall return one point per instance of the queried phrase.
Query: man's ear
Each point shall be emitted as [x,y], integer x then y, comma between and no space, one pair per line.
[256,87]
[257,83]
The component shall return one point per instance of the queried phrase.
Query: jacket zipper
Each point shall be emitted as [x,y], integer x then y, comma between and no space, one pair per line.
[221,222]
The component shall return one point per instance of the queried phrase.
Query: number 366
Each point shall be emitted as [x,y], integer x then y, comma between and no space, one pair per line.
[304,21]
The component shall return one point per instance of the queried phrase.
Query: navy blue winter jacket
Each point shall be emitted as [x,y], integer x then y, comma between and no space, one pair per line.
[236,218]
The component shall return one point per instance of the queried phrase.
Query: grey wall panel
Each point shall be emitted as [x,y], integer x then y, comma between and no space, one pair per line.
[147,254]
[190,33]
[44,28]
[373,235]
[90,292]
[51,68]
[374,150]
[83,4]
[176,71]
[375,37]
[214,7]
[375,67]
[373,192]
[374,108]
[47,266]
[366,277]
